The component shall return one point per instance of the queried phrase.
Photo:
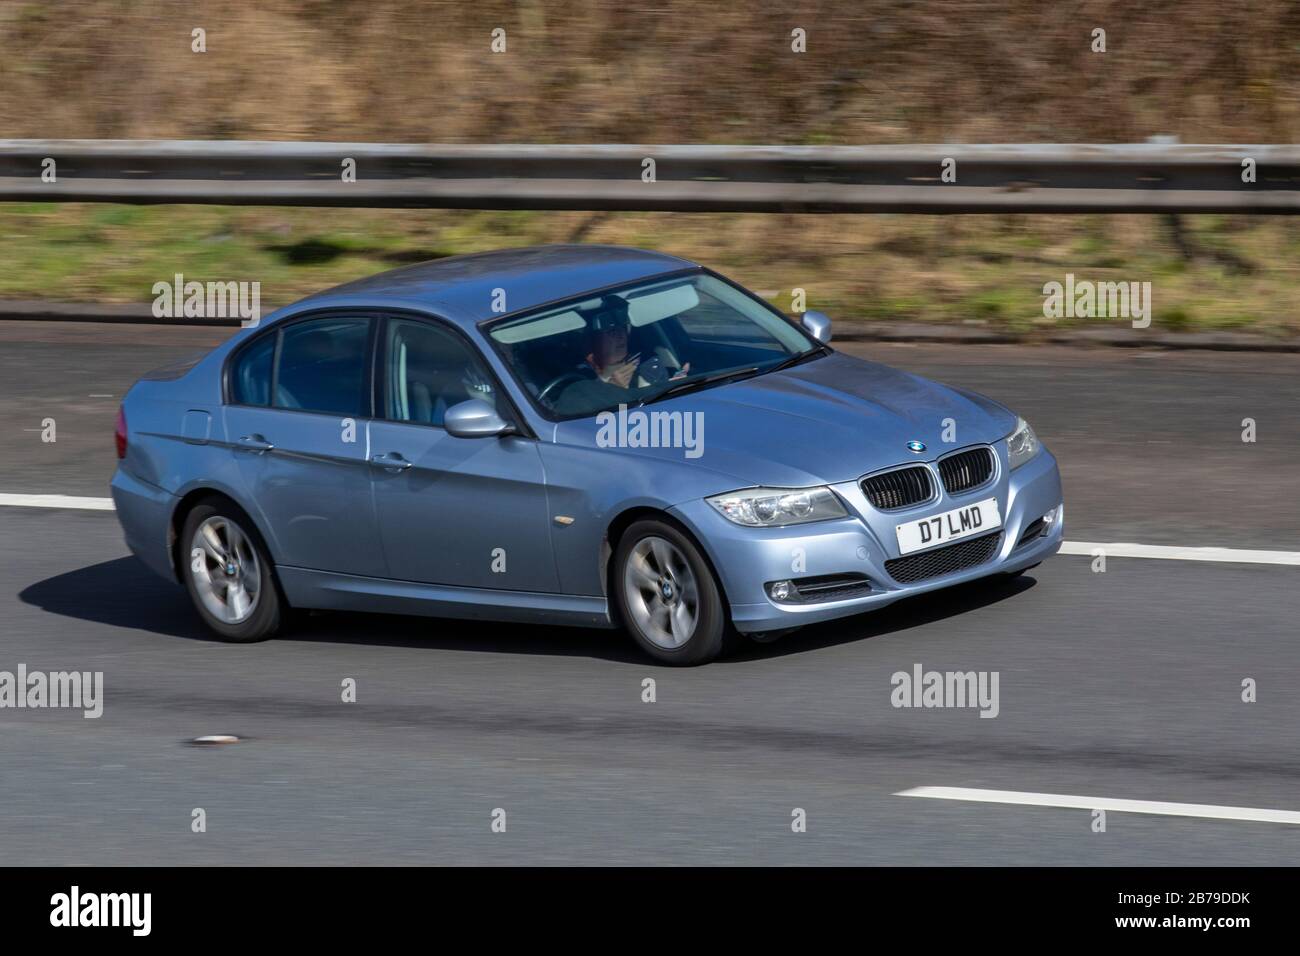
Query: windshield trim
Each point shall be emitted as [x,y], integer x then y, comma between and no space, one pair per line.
[485,328]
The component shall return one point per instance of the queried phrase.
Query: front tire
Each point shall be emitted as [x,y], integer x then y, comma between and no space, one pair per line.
[228,574]
[667,596]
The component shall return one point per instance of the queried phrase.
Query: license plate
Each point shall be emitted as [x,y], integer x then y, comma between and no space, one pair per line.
[950,526]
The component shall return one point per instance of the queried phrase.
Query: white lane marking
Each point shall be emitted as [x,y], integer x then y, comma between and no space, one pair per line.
[1206,810]
[1229,555]
[57,501]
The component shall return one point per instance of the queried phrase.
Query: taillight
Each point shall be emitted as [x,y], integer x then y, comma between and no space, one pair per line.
[119,433]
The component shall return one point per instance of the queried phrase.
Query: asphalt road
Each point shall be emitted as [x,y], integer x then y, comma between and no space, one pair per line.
[1123,684]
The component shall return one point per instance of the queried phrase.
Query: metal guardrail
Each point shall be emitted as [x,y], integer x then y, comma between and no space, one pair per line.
[1137,178]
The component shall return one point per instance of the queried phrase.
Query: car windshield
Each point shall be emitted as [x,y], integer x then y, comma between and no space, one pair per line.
[643,342]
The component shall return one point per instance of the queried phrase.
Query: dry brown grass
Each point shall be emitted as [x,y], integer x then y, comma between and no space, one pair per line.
[667,71]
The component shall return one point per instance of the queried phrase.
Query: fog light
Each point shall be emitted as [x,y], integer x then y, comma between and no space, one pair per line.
[779,590]
[1049,519]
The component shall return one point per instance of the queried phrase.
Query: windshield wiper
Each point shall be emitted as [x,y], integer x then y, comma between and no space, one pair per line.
[691,384]
[797,359]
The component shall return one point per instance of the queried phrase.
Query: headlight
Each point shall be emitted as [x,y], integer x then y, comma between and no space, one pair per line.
[1022,444]
[774,507]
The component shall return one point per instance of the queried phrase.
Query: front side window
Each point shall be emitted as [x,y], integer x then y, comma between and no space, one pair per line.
[642,341]
[429,370]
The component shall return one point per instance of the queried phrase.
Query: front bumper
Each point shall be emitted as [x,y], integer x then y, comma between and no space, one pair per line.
[747,559]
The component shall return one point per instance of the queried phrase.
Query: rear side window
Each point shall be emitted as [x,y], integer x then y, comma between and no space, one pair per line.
[322,366]
[250,379]
[314,366]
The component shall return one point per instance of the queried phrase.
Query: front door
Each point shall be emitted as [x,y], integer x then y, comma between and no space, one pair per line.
[463,512]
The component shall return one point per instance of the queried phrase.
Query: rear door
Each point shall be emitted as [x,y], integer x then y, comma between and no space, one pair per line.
[297,425]
[464,512]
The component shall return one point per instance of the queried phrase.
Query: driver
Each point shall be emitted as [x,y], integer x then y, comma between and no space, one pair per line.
[608,357]
[607,374]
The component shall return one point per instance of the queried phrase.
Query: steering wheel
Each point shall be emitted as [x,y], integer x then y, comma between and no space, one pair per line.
[560,381]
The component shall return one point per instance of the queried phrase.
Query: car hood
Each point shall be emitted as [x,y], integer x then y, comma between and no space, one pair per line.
[830,420]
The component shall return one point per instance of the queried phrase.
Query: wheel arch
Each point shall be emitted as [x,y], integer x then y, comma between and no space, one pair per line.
[624,520]
[186,504]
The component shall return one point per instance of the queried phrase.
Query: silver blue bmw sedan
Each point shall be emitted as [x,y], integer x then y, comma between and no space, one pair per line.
[580,435]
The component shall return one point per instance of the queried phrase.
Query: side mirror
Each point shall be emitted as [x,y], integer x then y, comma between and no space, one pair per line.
[475,419]
[818,325]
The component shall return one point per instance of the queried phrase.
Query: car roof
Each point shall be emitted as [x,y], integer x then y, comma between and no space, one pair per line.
[463,288]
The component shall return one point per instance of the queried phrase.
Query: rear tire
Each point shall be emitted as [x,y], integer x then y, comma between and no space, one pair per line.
[667,596]
[228,573]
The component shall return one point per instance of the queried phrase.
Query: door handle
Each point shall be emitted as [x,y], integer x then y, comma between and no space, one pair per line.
[254,443]
[392,461]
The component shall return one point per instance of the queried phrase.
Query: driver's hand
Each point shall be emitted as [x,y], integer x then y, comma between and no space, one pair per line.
[681,372]
[621,374]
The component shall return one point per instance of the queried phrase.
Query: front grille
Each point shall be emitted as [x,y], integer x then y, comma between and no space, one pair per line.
[946,560]
[966,470]
[900,488]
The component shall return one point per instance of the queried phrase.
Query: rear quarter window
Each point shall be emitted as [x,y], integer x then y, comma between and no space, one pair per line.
[250,376]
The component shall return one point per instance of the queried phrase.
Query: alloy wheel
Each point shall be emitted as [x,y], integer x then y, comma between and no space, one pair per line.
[661,592]
[227,575]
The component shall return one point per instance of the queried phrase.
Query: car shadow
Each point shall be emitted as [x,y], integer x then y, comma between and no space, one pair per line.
[120,593]
[124,593]
[902,615]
